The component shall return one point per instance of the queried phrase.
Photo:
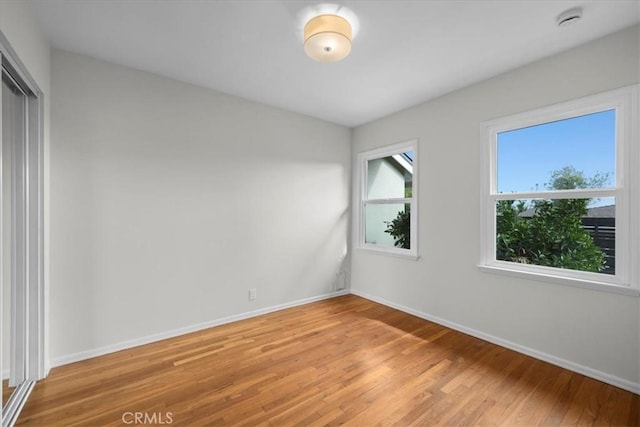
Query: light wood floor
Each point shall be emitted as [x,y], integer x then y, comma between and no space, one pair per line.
[6,392]
[343,360]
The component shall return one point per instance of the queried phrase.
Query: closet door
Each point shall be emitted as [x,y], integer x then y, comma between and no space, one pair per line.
[21,233]
[13,232]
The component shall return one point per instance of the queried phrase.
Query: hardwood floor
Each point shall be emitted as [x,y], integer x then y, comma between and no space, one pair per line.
[6,391]
[343,360]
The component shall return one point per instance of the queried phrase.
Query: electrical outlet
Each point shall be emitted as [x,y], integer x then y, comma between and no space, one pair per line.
[253,294]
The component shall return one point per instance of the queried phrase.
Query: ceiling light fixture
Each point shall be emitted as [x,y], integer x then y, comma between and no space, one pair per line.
[327,38]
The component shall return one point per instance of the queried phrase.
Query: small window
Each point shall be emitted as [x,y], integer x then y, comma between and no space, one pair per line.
[388,208]
[558,189]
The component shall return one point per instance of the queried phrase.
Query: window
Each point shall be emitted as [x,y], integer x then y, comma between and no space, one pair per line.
[560,193]
[388,210]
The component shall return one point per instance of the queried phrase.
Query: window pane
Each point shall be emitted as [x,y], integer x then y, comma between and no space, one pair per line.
[575,234]
[388,225]
[528,157]
[390,177]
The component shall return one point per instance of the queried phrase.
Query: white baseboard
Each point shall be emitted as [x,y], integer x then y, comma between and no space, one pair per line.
[567,364]
[83,355]
[563,363]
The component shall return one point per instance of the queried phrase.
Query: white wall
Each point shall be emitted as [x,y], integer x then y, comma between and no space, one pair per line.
[19,26]
[594,331]
[169,201]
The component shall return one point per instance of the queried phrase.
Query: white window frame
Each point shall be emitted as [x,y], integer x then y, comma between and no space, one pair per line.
[363,159]
[626,190]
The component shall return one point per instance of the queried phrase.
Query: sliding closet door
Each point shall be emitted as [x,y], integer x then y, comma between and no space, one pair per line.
[14,138]
[21,233]
[5,231]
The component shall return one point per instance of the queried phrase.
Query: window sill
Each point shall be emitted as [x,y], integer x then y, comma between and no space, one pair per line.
[395,254]
[560,280]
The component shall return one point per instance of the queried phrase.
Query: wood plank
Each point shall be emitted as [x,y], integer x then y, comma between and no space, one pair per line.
[346,360]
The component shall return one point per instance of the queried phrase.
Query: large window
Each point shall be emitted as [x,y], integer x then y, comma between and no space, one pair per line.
[387,217]
[560,193]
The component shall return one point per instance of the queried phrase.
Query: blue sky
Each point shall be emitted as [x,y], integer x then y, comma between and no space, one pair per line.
[526,157]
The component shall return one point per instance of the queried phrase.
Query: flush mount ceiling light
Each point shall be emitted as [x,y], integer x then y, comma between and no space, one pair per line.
[327,31]
[327,38]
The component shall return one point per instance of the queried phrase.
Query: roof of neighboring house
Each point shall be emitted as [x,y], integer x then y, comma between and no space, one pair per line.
[401,162]
[602,212]
[595,212]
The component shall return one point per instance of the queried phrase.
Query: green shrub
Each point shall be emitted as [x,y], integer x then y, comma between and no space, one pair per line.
[400,229]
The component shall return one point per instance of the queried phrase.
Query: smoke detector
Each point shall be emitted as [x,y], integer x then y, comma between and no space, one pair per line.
[569,17]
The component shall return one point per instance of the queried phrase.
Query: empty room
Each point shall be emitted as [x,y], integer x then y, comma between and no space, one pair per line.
[296,213]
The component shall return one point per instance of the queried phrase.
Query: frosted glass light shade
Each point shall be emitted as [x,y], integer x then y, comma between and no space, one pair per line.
[327,38]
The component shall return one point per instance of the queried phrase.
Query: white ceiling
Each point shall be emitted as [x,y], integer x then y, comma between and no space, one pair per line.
[405,52]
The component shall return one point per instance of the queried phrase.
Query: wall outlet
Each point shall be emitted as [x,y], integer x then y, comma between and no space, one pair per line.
[253,294]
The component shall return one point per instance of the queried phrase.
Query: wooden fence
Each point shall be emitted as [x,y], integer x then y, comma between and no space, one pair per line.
[603,231]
